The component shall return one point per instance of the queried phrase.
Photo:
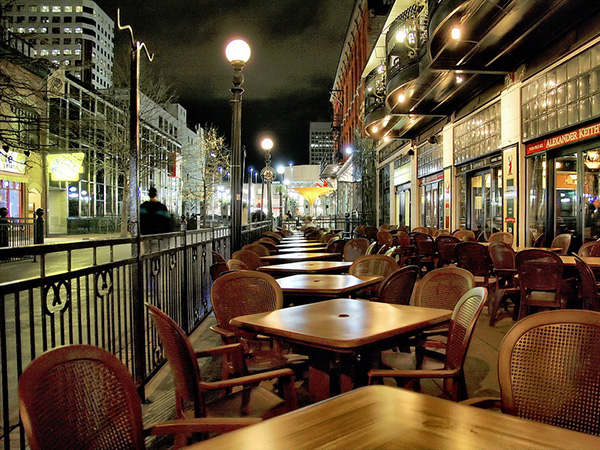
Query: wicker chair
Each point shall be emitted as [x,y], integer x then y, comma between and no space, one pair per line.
[372,265]
[326,237]
[502,236]
[371,233]
[562,241]
[355,248]
[336,246]
[475,257]
[83,397]
[425,250]
[372,248]
[217,258]
[251,259]
[588,286]
[465,235]
[540,280]
[405,246]
[589,249]
[462,324]
[273,250]
[441,232]
[273,235]
[385,237]
[248,292]
[236,264]
[253,400]
[503,259]
[549,370]
[398,286]
[259,249]
[217,269]
[421,230]
[445,245]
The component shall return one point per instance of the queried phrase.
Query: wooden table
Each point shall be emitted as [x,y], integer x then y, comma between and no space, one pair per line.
[314,249]
[335,330]
[325,285]
[383,417]
[306,267]
[300,244]
[300,256]
[593,261]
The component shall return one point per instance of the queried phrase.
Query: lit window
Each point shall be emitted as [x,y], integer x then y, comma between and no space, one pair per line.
[43,30]
[79,9]
[31,30]
[20,30]
[55,52]
[44,52]
[45,19]
[33,8]
[67,62]
[56,9]
[35,52]
[78,51]
[55,61]
[44,8]
[68,30]
[67,51]
[68,9]
[78,30]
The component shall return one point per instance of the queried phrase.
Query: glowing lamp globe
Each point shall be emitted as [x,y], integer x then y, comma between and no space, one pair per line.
[238,50]
[266,144]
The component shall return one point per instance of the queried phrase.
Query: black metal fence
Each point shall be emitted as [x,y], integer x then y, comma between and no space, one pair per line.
[17,232]
[93,292]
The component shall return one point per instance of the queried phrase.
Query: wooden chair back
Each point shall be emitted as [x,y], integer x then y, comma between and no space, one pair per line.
[474,257]
[442,288]
[385,237]
[373,265]
[398,286]
[355,248]
[562,241]
[236,264]
[273,250]
[588,287]
[217,269]
[259,249]
[445,245]
[276,237]
[336,246]
[80,396]
[217,257]
[251,259]
[465,235]
[421,230]
[502,236]
[589,249]
[549,369]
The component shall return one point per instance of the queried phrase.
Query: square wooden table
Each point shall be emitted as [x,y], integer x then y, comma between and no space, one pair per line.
[314,249]
[301,244]
[384,417]
[592,261]
[300,256]
[335,331]
[306,267]
[325,285]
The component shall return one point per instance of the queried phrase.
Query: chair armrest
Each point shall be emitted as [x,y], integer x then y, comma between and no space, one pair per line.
[248,380]
[227,335]
[393,373]
[484,402]
[221,350]
[201,425]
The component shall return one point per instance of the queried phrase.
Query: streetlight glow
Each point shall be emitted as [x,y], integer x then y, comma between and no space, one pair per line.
[267,144]
[280,170]
[238,50]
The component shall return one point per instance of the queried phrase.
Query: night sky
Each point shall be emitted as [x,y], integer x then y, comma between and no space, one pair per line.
[296,45]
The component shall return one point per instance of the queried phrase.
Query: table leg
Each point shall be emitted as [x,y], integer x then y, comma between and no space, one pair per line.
[323,376]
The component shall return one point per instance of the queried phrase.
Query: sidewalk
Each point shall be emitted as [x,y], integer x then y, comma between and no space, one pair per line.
[55,239]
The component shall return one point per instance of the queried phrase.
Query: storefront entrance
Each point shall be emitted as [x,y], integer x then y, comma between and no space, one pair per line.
[403,204]
[485,201]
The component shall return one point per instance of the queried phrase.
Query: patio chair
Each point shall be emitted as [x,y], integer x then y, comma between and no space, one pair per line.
[259,249]
[475,257]
[326,237]
[445,245]
[236,264]
[541,280]
[355,248]
[251,259]
[464,316]
[371,233]
[503,259]
[273,250]
[502,236]
[421,230]
[465,235]
[253,400]
[217,258]
[425,251]
[588,286]
[549,370]
[336,246]
[381,265]
[385,237]
[441,232]
[589,249]
[83,397]
[398,286]
[562,241]
[217,269]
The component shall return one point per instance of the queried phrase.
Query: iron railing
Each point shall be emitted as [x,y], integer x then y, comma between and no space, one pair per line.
[93,292]
[17,232]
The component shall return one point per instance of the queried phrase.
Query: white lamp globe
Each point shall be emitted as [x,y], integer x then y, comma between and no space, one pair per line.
[238,50]
[266,144]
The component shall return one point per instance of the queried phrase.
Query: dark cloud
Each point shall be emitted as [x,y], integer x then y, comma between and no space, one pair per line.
[295,50]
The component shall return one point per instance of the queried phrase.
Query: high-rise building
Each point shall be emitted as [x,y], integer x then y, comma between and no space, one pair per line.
[321,142]
[75,34]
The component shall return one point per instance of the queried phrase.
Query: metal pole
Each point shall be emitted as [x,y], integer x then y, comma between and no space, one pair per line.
[236,157]
[250,197]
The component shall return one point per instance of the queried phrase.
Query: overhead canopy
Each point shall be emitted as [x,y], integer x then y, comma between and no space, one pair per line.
[312,193]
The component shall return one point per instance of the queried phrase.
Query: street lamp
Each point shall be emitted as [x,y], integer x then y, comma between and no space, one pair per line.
[238,53]
[281,171]
[250,195]
[268,174]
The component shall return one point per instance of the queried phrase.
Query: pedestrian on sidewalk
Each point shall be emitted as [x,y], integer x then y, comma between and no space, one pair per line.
[154,219]
[4,225]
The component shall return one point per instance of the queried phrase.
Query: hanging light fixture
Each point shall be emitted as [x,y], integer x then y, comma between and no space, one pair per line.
[592,160]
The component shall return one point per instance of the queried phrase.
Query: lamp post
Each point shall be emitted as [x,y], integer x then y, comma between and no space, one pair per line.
[250,195]
[281,171]
[268,175]
[238,53]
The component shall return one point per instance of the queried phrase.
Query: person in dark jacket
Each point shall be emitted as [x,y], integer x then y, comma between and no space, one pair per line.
[154,219]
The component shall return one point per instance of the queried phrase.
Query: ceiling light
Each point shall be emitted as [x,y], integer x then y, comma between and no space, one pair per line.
[386,138]
[455,33]
[459,79]
[375,129]
[401,35]
[401,98]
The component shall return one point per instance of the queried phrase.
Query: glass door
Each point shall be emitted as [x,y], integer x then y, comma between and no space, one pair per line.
[565,194]
[486,201]
[591,195]
[403,205]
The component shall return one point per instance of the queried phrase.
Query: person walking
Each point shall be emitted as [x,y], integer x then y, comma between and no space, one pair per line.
[154,219]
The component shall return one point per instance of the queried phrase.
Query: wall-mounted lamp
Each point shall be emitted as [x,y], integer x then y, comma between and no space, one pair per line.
[455,33]
[459,79]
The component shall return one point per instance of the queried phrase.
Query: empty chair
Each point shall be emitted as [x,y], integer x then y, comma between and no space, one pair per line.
[273,235]
[398,286]
[549,370]
[269,245]
[83,397]
[539,241]
[540,280]
[462,324]
[217,269]
[421,230]
[502,236]
[270,239]
[259,249]
[251,259]
[562,241]
[336,246]
[236,264]
[217,257]
[441,232]
[383,249]
[425,250]
[372,265]
[372,248]
[589,249]
[326,237]
[385,237]
[253,400]
[355,248]
[314,235]
[503,259]
[445,245]
[361,231]
[405,246]
[371,233]
[465,235]
[588,286]
[475,257]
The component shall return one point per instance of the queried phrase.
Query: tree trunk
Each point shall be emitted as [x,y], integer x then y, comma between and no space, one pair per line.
[204,202]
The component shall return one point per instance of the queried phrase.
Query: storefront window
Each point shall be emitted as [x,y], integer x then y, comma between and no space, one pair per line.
[591,194]
[536,175]
[461,190]
[10,197]
[477,136]
[384,195]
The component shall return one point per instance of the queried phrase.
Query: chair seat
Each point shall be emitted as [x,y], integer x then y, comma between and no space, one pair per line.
[263,403]
[480,281]
[541,298]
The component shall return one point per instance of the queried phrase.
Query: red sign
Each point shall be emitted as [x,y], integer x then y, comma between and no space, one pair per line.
[564,139]
[510,220]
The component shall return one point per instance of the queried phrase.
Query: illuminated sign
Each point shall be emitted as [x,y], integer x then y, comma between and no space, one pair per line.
[564,139]
[12,162]
[65,166]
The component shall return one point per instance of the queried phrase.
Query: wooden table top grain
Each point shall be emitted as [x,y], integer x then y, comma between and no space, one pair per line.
[388,418]
[307,267]
[593,261]
[326,284]
[343,324]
